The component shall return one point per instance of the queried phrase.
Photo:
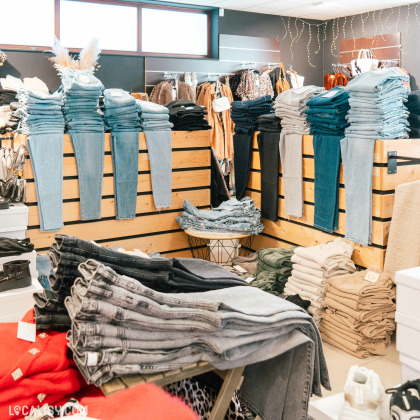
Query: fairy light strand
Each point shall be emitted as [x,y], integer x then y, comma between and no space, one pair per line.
[308,46]
[407,24]
[318,40]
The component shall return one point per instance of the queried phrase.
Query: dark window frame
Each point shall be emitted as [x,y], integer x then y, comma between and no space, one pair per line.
[138,52]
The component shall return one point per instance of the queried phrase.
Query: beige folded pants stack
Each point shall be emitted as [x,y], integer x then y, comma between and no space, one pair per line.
[359,316]
[313,266]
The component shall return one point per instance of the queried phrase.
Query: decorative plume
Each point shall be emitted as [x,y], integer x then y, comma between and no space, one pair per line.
[88,57]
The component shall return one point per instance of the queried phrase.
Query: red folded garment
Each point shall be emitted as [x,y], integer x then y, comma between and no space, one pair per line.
[145,402]
[33,374]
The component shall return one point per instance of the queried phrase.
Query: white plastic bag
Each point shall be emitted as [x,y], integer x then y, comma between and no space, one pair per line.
[364,62]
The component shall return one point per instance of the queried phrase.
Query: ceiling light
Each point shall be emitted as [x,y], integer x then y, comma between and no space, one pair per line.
[317,3]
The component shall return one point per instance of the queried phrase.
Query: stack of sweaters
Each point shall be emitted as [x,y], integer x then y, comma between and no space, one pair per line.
[274,267]
[359,318]
[312,267]
[187,116]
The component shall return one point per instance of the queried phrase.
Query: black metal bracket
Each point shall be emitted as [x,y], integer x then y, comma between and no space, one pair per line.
[393,161]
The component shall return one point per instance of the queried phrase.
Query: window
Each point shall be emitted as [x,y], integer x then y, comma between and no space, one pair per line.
[122,27]
[27,22]
[115,26]
[174,32]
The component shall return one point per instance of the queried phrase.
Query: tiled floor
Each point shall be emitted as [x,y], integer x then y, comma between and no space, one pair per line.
[387,367]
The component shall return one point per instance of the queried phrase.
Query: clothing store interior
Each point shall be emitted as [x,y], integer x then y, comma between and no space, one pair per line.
[210,210]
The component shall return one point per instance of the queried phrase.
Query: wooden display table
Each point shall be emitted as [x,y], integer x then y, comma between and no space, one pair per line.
[290,231]
[232,380]
[218,247]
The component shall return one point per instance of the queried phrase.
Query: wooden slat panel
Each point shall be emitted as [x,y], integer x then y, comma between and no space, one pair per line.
[179,254]
[180,140]
[366,256]
[180,159]
[173,241]
[380,230]
[370,42]
[145,204]
[187,179]
[106,229]
[382,205]
[406,147]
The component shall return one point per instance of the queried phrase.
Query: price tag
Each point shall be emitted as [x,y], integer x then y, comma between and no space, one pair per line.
[84,78]
[92,358]
[239,268]
[250,279]
[26,331]
[116,92]
[330,94]
[372,276]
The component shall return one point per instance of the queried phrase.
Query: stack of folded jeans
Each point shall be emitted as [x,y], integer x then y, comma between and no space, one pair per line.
[269,126]
[290,105]
[312,267]
[154,121]
[269,123]
[42,120]
[274,267]
[121,327]
[245,113]
[359,318]
[327,117]
[377,111]
[85,126]
[245,116]
[166,275]
[232,216]
[187,116]
[413,106]
[122,119]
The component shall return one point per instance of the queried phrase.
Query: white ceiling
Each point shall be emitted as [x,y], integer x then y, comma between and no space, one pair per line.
[310,9]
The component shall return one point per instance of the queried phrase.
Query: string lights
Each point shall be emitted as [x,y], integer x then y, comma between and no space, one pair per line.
[378,23]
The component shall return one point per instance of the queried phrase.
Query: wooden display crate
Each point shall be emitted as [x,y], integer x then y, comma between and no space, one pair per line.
[289,231]
[151,231]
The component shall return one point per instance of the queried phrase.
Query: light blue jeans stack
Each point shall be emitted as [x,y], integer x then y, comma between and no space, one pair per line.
[122,119]
[377,112]
[43,121]
[85,126]
[154,121]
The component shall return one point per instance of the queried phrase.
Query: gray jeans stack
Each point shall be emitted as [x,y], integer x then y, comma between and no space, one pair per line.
[121,327]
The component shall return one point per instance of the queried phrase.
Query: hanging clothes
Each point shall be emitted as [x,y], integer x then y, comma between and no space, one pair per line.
[332,80]
[254,85]
[282,83]
[295,80]
[163,93]
[221,133]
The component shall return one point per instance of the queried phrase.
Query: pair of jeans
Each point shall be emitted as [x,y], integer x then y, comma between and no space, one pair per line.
[46,154]
[327,174]
[357,156]
[242,146]
[290,149]
[268,145]
[122,118]
[85,125]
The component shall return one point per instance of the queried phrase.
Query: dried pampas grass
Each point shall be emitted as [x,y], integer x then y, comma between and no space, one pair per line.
[88,57]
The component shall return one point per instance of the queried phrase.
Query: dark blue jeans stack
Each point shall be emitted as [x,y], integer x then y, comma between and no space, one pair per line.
[245,116]
[122,119]
[85,126]
[326,114]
